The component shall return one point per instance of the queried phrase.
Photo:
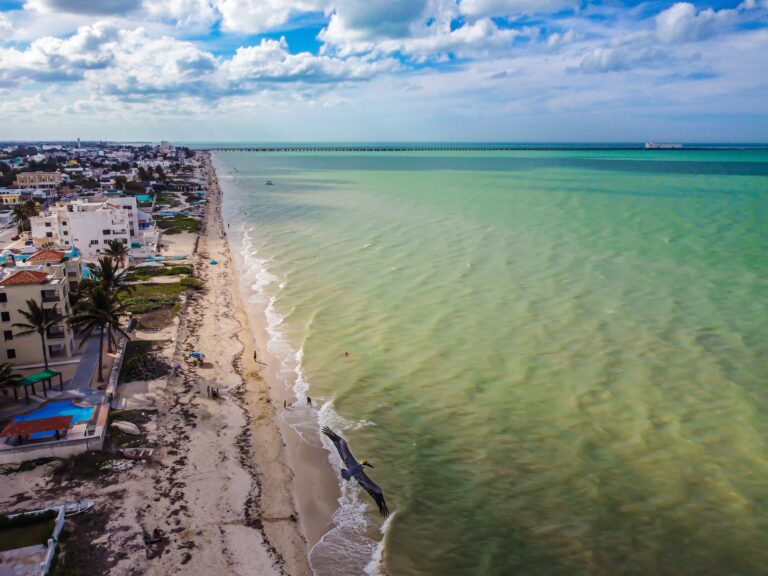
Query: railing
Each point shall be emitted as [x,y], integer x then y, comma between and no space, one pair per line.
[45,565]
[117,364]
[50,297]
[56,334]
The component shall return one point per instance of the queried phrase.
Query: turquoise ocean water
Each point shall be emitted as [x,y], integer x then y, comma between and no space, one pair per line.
[558,362]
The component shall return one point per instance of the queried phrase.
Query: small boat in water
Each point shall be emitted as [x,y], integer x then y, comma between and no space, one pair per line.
[270,183]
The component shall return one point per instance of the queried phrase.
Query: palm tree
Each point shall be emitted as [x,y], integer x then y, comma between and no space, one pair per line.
[117,251]
[9,379]
[39,319]
[22,212]
[101,310]
[19,214]
[105,274]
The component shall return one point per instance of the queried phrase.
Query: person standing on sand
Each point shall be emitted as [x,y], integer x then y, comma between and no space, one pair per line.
[309,401]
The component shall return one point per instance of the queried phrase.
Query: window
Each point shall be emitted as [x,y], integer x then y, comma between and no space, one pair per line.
[125,241]
[11,353]
[63,222]
[5,316]
[3,297]
[66,232]
[94,242]
[8,334]
[49,234]
[47,224]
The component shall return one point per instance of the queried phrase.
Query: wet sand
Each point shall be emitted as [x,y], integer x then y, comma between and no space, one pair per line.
[315,486]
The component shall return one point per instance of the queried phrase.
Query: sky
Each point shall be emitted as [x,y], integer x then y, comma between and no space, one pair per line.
[385,70]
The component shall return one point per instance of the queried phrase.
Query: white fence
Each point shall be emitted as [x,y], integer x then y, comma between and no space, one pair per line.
[45,565]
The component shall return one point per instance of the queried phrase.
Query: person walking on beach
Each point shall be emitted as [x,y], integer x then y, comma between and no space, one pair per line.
[208,390]
[309,401]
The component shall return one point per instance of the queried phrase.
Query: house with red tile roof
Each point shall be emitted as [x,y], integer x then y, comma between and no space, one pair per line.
[48,285]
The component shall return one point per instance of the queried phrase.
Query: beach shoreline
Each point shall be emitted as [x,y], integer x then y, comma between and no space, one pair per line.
[314,485]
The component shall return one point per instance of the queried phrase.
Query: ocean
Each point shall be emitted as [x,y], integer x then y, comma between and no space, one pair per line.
[556,361]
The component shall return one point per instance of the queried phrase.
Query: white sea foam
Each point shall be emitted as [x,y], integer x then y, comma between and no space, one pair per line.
[348,547]
[376,566]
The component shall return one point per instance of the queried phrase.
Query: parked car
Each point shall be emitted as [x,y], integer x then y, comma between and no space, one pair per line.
[14,238]
[29,243]
[29,249]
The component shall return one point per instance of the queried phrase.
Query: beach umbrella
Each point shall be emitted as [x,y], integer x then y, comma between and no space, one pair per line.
[213,262]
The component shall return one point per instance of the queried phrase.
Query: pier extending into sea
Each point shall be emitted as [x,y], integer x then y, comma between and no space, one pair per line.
[459,148]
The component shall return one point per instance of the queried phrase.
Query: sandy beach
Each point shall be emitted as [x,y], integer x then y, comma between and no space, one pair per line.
[219,487]
[314,485]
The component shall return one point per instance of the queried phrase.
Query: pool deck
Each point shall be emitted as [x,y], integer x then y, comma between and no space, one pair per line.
[79,382]
[81,387]
[80,437]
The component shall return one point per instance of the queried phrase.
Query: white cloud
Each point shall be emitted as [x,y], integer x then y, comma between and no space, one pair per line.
[683,23]
[98,7]
[144,65]
[6,26]
[254,16]
[183,12]
[270,61]
[420,30]
[469,39]
[488,8]
[54,59]
[376,20]
[131,63]
[619,58]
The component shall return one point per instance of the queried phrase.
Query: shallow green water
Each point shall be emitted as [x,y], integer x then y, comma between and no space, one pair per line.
[557,361]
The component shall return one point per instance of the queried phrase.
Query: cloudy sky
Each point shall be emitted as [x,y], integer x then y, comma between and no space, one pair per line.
[427,70]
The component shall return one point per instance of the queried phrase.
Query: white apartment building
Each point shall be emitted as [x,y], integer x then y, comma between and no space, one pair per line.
[48,286]
[87,225]
[91,225]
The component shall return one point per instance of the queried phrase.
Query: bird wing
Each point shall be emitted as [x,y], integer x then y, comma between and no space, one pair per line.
[341,446]
[373,489]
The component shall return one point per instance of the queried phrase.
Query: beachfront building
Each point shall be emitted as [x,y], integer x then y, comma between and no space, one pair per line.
[38,180]
[47,285]
[49,259]
[91,225]
[88,225]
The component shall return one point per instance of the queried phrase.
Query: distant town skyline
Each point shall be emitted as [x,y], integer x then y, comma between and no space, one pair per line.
[400,70]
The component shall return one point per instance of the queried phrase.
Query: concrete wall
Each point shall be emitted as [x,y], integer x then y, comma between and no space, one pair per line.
[60,448]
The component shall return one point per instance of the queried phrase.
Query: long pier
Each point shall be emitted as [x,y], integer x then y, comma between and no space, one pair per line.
[501,148]
[411,148]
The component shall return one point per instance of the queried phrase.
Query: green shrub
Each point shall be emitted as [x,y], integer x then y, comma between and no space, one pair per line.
[150,297]
[193,283]
[179,224]
[145,273]
[145,367]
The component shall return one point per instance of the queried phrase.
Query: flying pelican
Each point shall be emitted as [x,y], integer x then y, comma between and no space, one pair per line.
[354,470]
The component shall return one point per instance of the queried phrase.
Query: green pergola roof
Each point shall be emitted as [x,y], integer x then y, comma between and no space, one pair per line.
[38,377]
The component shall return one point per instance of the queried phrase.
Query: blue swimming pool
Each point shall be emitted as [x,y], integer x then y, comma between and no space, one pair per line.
[61,408]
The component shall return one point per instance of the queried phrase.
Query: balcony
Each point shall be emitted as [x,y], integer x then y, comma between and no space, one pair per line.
[57,351]
[56,333]
[50,296]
